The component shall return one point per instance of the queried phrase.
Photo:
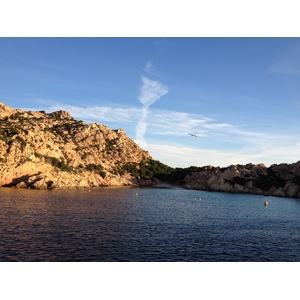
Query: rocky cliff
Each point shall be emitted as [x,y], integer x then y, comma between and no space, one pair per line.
[282,180]
[47,151]
[55,151]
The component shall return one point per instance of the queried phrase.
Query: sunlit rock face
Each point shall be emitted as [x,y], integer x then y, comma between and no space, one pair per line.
[46,151]
[282,180]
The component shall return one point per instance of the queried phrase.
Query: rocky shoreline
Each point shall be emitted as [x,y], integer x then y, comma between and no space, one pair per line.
[50,181]
[282,180]
[40,150]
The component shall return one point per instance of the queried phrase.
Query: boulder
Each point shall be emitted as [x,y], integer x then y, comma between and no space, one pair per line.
[21,185]
[291,189]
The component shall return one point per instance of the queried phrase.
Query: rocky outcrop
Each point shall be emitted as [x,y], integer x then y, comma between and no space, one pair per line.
[6,110]
[282,180]
[47,151]
[55,151]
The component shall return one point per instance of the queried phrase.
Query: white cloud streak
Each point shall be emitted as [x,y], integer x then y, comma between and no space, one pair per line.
[99,113]
[268,153]
[148,67]
[184,156]
[151,91]
[141,128]
[218,143]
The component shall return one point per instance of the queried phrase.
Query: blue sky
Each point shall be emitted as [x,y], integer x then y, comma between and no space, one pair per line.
[240,96]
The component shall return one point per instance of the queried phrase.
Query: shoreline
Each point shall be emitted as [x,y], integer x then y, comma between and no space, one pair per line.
[158,186]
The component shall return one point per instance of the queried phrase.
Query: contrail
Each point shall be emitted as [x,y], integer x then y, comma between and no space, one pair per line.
[151,91]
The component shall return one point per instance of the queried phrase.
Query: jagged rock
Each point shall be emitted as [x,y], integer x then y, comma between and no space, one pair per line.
[40,184]
[55,151]
[231,172]
[278,193]
[21,185]
[46,151]
[278,180]
[291,189]
[61,114]
[6,111]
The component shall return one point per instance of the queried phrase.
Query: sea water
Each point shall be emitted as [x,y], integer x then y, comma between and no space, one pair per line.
[146,225]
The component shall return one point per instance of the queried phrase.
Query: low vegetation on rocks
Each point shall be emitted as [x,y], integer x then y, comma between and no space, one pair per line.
[40,150]
[282,180]
[54,151]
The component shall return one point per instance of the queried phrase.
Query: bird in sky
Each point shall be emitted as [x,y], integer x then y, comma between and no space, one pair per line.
[191,134]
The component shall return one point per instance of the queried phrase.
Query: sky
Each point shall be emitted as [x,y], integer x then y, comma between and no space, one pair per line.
[239,96]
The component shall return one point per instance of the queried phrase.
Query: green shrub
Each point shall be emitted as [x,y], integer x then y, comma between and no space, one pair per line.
[38,155]
[97,169]
[149,169]
[64,167]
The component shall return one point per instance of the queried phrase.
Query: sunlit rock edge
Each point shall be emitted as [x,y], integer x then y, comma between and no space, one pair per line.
[55,151]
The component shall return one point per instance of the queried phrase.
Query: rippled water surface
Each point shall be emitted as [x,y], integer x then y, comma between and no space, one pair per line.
[127,224]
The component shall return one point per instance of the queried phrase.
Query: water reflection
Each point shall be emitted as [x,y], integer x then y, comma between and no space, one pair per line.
[146,225]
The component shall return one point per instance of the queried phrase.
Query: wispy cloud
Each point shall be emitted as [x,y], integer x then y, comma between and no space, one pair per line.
[184,156]
[141,129]
[94,113]
[148,67]
[151,91]
[176,123]
[166,131]
[270,152]
[152,70]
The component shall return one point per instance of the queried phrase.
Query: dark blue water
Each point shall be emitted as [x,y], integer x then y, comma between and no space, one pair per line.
[128,224]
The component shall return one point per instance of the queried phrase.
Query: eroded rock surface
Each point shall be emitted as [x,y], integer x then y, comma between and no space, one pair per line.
[46,151]
[282,180]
